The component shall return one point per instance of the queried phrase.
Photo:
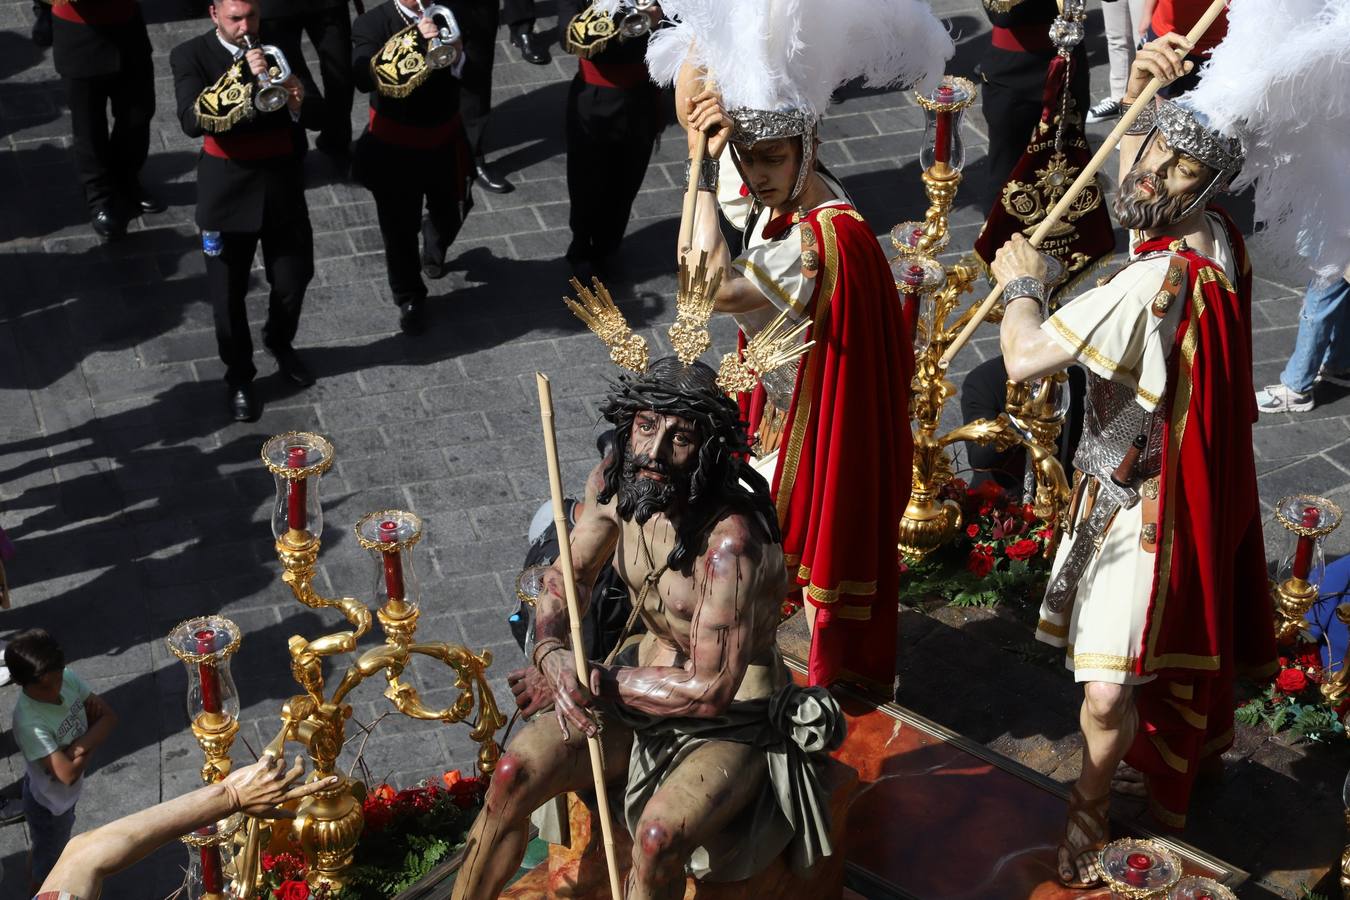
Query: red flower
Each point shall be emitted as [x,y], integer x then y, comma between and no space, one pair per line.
[972,530]
[452,778]
[466,792]
[292,890]
[1028,513]
[1291,681]
[1310,656]
[268,861]
[989,491]
[383,793]
[986,509]
[378,815]
[979,563]
[1046,534]
[1023,549]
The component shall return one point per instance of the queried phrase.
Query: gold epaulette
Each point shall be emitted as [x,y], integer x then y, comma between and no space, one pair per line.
[588,33]
[400,67]
[227,102]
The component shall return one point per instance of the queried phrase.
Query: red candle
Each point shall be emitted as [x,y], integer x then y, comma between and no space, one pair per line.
[1138,861]
[296,490]
[393,563]
[1303,554]
[213,880]
[206,643]
[942,150]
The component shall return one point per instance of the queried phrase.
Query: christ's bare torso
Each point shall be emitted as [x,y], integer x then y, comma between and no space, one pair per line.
[670,606]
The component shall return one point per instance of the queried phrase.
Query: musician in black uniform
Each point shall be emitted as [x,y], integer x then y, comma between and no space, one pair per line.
[414,148]
[329,27]
[1013,71]
[250,190]
[102,52]
[614,114]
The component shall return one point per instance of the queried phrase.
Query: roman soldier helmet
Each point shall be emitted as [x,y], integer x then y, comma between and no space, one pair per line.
[1188,129]
[776,62]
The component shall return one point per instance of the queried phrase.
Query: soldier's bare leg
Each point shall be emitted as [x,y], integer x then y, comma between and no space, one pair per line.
[537,766]
[704,793]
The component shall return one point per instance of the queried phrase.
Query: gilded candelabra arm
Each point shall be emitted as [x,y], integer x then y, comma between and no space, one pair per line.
[470,678]
[998,431]
[299,563]
[389,657]
[1334,688]
[1052,486]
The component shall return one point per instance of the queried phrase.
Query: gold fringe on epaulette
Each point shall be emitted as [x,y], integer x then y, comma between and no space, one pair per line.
[400,67]
[588,33]
[226,103]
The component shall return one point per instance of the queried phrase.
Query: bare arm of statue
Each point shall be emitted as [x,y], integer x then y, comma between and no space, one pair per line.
[592,540]
[721,635]
[1028,352]
[700,111]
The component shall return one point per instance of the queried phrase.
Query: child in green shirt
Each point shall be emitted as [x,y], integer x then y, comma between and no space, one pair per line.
[58,723]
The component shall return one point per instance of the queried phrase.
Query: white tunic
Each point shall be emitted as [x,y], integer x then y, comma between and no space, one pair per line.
[1112,331]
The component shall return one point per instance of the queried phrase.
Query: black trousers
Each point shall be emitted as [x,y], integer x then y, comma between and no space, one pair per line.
[610,135]
[1011,115]
[330,30]
[479,24]
[519,14]
[109,160]
[288,261]
[398,205]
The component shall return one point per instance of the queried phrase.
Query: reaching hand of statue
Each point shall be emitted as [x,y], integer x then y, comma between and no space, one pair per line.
[705,115]
[261,789]
[1017,259]
[531,690]
[1161,59]
[570,697]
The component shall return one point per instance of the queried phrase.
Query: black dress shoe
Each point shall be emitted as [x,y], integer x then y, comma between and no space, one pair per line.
[412,317]
[532,49]
[434,269]
[42,26]
[489,180]
[107,225]
[149,203]
[243,405]
[291,367]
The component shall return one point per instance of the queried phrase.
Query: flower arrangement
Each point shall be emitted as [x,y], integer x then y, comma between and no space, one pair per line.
[406,834]
[1293,701]
[1001,551]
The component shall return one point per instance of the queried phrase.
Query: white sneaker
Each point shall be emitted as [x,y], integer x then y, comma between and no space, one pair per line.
[1105,109]
[1275,398]
[4,675]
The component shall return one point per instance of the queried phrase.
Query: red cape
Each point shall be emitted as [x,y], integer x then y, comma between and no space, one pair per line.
[843,473]
[1211,613]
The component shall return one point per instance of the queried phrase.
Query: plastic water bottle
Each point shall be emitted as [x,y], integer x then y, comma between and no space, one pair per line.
[211,243]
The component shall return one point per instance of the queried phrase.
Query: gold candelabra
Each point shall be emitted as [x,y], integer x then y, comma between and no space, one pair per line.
[1308,519]
[329,823]
[930,295]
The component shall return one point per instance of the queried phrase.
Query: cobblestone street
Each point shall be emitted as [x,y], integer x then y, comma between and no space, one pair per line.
[133,505]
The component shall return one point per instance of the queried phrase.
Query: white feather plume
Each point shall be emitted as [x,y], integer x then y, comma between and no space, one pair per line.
[793,54]
[607,7]
[1286,92]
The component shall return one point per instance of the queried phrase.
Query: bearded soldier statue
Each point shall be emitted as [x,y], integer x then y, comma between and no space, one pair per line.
[1159,588]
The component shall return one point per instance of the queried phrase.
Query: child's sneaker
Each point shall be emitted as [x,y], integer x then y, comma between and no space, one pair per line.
[1275,398]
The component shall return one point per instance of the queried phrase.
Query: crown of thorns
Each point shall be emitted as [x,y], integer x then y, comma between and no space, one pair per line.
[778,344]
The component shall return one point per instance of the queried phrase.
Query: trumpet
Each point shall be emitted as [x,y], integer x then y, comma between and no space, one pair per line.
[636,22]
[270,95]
[441,50]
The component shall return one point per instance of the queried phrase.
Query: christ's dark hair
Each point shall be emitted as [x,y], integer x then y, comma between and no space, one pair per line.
[722,478]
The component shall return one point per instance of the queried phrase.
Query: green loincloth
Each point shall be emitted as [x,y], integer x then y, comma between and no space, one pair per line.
[792,728]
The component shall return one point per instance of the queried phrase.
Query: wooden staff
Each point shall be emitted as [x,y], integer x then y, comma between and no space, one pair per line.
[1083,180]
[691,195]
[574,618]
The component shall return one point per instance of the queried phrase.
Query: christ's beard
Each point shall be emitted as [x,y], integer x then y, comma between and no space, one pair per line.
[642,497]
[1144,213]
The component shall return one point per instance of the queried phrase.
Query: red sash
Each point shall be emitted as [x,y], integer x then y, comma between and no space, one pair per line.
[613,75]
[95,12]
[417,137]
[1024,38]
[257,145]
